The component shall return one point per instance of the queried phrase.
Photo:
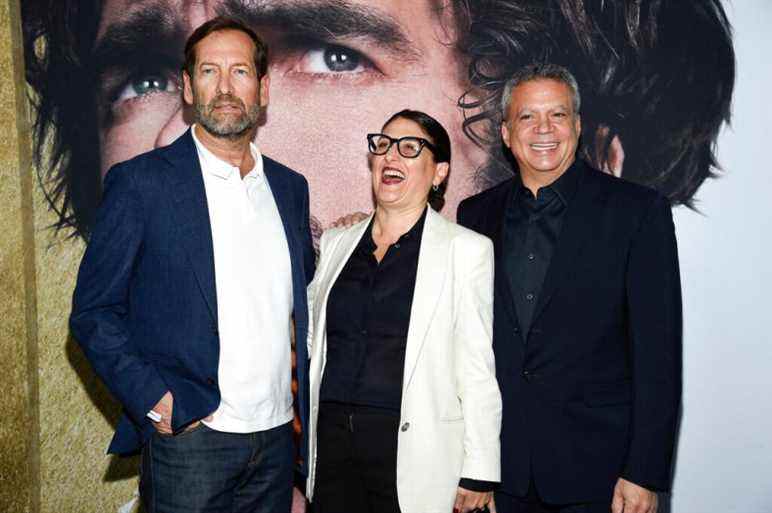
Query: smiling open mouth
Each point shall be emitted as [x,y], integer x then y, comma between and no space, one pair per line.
[392,176]
[544,146]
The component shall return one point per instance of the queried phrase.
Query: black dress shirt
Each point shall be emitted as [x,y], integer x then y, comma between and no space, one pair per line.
[531,230]
[368,316]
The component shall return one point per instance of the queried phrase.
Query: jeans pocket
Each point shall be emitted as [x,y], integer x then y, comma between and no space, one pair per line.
[192,428]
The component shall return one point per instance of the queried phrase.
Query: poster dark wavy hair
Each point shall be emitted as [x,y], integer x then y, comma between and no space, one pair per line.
[656,79]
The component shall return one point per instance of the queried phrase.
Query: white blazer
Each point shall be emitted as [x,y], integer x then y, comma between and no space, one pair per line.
[450,416]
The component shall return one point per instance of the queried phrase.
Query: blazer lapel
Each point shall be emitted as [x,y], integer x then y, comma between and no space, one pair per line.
[430,278]
[283,199]
[577,229]
[192,215]
[501,282]
[341,253]
[493,228]
[282,196]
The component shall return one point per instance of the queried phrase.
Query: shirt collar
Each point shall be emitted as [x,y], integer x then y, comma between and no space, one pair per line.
[564,187]
[368,245]
[212,164]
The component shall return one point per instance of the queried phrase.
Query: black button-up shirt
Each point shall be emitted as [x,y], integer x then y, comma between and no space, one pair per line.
[531,229]
[368,316]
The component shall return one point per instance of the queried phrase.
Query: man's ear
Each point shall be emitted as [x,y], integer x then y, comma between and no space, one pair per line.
[505,133]
[265,82]
[187,88]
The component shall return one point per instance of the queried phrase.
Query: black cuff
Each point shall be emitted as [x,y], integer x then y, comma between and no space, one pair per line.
[476,485]
[299,480]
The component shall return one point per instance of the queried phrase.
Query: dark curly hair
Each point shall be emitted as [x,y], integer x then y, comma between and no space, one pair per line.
[658,74]
[59,38]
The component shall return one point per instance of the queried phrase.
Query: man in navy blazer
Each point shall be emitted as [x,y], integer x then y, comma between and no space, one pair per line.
[587,316]
[197,264]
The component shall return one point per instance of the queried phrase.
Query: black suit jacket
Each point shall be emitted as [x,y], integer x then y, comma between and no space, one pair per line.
[591,393]
[145,304]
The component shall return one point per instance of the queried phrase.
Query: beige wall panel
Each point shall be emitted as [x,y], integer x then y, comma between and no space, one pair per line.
[77,412]
[18,414]
[57,464]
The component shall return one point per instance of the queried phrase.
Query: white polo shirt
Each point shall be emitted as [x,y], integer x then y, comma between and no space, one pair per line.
[253,280]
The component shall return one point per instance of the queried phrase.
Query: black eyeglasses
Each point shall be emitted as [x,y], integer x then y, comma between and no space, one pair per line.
[408,147]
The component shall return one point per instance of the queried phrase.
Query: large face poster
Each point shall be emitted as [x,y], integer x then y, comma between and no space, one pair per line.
[653,94]
[656,79]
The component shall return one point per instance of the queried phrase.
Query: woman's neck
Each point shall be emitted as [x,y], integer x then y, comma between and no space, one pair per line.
[391,224]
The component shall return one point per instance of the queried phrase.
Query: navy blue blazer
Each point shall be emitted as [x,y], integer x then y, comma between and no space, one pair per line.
[592,391]
[145,304]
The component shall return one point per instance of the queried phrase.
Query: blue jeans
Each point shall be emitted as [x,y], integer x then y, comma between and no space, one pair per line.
[207,471]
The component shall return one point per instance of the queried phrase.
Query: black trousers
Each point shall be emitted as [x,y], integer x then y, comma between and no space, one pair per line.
[356,464]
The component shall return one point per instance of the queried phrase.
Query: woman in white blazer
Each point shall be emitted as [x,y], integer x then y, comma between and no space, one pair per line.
[405,408]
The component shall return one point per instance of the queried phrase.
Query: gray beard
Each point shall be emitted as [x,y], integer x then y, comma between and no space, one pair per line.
[228,129]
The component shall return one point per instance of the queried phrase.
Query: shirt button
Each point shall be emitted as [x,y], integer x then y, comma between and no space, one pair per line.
[531,256]
[529,296]
[405,427]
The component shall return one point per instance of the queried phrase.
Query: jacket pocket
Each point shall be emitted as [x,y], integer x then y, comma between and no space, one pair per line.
[608,394]
[452,415]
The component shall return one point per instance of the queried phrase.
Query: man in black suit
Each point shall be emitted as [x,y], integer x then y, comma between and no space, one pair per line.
[197,264]
[587,315]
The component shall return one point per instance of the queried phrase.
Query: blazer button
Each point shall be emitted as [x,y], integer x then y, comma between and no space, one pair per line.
[527,375]
[405,427]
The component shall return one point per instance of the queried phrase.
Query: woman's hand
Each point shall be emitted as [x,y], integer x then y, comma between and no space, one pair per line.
[468,501]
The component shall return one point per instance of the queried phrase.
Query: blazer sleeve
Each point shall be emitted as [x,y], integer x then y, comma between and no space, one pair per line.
[654,323]
[313,288]
[478,388]
[101,298]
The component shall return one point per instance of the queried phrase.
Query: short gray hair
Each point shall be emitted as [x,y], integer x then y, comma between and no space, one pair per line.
[540,71]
